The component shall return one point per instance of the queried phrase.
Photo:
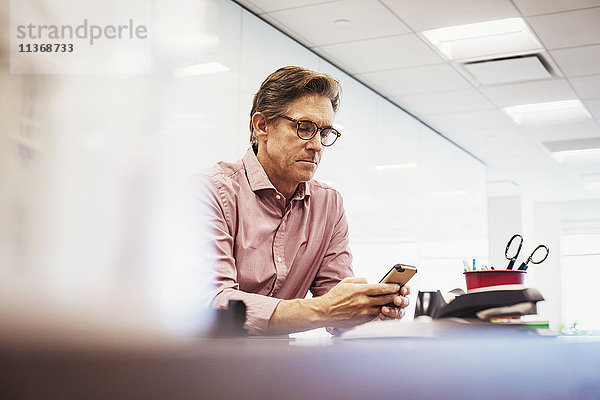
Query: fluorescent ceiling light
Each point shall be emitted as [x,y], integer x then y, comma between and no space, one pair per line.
[484,39]
[391,167]
[548,113]
[578,156]
[200,69]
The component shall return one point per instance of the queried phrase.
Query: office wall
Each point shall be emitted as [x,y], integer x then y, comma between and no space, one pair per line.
[91,166]
[551,221]
[504,221]
[566,284]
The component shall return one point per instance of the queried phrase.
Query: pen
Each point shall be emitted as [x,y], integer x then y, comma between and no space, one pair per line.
[474,267]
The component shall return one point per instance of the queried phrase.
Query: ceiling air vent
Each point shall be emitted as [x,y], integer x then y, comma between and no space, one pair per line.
[520,68]
[575,151]
[572,145]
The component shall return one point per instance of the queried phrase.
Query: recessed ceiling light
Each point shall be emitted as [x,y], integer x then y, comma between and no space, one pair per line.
[200,69]
[484,39]
[342,22]
[548,113]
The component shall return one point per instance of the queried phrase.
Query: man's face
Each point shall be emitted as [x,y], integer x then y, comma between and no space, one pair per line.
[287,159]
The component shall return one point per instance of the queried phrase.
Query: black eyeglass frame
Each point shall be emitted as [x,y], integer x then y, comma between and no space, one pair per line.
[317,131]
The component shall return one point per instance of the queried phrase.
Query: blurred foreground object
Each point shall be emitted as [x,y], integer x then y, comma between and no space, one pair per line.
[94,236]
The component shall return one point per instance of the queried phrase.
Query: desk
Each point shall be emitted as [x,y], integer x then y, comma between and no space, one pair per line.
[457,367]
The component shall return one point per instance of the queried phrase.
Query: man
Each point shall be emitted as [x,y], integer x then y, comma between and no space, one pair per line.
[276,232]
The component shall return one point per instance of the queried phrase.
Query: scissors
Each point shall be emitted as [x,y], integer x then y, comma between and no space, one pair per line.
[541,249]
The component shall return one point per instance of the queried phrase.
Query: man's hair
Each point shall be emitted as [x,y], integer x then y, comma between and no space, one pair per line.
[284,86]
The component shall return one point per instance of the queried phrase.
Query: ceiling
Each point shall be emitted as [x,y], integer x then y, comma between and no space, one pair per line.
[379,43]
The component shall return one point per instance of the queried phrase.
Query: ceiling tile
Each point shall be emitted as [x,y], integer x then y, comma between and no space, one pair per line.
[518,167]
[578,61]
[593,107]
[499,141]
[382,53]
[278,24]
[483,120]
[568,29]
[429,14]
[426,79]
[529,92]
[493,148]
[575,130]
[534,7]
[251,6]
[444,102]
[588,87]
[275,5]
[368,19]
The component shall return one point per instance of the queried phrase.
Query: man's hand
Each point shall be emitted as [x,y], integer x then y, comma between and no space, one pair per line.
[399,304]
[353,301]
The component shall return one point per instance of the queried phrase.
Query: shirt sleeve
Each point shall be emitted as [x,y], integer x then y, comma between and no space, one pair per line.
[217,219]
[337,263]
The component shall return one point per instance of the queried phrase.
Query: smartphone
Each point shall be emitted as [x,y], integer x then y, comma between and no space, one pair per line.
[400,274]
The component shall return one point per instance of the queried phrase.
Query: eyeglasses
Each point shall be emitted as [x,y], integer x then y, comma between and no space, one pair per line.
[307,130]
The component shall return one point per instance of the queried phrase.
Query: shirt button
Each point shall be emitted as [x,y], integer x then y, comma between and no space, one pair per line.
[279,259]
[278,197]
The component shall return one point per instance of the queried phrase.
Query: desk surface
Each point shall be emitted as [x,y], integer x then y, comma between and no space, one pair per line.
[469,366]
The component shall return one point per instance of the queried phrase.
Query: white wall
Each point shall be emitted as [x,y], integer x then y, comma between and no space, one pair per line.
[505,220]
[541,223]
[550,220]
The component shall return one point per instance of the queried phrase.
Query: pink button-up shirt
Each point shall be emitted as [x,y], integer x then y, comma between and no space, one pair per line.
[266,251]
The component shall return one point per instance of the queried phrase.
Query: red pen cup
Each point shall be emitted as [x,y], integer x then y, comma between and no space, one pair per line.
[481,279]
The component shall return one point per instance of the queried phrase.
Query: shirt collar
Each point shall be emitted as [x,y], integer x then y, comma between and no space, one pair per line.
[302,191]
[258,179]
